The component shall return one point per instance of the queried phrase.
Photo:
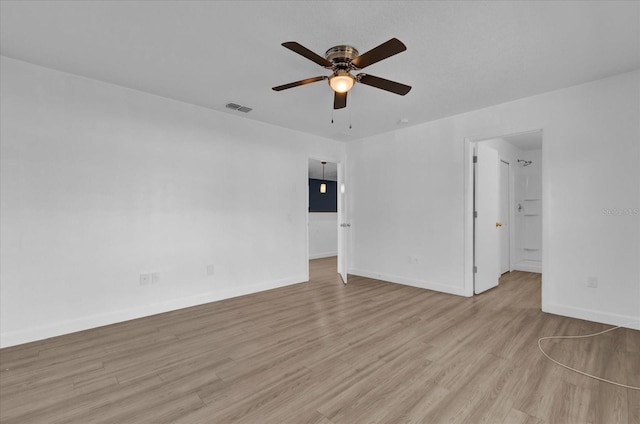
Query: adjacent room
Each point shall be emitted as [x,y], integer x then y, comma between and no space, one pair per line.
[319,212]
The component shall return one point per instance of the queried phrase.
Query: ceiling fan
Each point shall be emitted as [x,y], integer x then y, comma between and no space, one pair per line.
[342,60]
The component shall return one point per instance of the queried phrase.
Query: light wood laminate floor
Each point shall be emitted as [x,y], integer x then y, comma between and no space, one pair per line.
[325,353]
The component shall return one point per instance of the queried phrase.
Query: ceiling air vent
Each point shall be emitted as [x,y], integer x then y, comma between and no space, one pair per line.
[238,107]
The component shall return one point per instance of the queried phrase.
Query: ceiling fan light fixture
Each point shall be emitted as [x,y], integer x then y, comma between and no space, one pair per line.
[341,81]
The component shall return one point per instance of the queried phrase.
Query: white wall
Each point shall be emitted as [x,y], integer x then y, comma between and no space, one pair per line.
[323,234]
[529,220]
[591,153]
[100,183]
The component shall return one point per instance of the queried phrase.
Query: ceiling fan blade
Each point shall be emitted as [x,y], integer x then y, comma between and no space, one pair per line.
[299,83]
[303,51]
[383,51]
[340,100]
[384,84]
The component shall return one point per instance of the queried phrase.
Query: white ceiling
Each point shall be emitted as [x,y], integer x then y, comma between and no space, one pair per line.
[531,140]
[460,56]
[330,170]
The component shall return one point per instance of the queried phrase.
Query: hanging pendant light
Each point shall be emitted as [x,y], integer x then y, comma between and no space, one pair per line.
[323,184]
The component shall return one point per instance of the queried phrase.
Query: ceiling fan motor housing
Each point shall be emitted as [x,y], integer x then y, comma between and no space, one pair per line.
[341,56]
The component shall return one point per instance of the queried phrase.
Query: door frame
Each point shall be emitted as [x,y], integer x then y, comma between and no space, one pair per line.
[469,202]
[343,223]
[327,159]
[510,212]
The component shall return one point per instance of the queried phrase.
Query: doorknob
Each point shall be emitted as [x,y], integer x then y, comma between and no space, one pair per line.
[498,224]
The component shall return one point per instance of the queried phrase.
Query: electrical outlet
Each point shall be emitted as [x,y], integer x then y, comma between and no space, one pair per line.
[592,282]
[211,270]
[145,279]
[155,277]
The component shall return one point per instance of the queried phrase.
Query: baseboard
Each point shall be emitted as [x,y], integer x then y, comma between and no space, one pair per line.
[528,268]
[595,316]
[443,288]
[99,320]
[322,255]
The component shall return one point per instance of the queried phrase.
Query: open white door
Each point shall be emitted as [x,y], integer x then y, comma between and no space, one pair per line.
[505,229]
[487,224]
[343,225]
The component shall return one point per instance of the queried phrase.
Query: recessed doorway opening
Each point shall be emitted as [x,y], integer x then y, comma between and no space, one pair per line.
[503,225]
[327,224]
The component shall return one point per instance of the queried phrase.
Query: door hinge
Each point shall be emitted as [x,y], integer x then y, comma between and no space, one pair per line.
[475,214]
[475,159]
[475,269]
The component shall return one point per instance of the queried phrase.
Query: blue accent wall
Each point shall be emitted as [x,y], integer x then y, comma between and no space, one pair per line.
[327,202]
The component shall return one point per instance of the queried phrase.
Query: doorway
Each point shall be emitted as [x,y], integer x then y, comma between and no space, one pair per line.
[323,209]
[326,227]
[503,223]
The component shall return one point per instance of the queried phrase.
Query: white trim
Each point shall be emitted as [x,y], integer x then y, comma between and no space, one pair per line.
[99,320]
[442,288]
[510,214]
[343,218]
[306,217]
[522,266]
[594,316]
[468,217]
[323,255]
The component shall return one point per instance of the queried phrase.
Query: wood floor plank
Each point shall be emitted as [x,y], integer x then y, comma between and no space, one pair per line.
[398,385]
[518,417]
[327,353]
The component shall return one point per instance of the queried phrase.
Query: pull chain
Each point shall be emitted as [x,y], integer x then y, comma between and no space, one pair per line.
[350,110]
